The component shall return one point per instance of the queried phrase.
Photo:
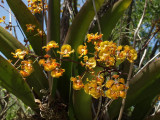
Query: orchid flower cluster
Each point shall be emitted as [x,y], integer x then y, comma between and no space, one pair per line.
[26,65]
[47,62]
[36,6]
[106,57]
[31,28]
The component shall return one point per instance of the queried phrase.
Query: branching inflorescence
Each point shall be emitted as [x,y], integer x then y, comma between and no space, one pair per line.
[107,56]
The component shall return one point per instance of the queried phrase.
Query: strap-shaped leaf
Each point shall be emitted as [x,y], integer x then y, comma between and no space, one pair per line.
[14,83]
[8,44]
[82,105]
[111,17]
[53,30]
[78,29]
[24,16]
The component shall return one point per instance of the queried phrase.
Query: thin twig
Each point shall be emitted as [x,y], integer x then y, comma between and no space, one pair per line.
[15,33]
[107,104]
[10,21]
[147,63]
[50,79]
[16,62]
[2,113]
[141,61]
[157,109]
[21,30]
[70,10]
[43,16]
[146,44]
[96,15]
[131,65]
[93,108]
[4,97]
[99,108]
[140,22]
[8,11]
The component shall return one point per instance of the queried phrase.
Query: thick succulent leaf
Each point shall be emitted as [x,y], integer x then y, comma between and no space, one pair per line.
[53,29]
[143,86]
[37,80]
[8,44]
[14,83]
[78,29]
[141,109]
[82,105]
[109,20]
[24,16]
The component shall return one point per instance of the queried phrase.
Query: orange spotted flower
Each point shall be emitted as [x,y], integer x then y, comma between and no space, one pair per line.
[89,62]
[30,27]
[19,53]
[128,52]
[82,50]
[40,32]
[116,88]
[51,44]
[94,37]
[65,50]
[49,64]
[56,73]
[93,89]
[77,83]
[26,68]
[35,6]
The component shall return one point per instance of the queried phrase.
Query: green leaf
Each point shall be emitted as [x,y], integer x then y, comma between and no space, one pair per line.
[53,30]
[141,109]
[14,83]
[9,44]
[77,31]
[24,16]
[111,17]
[82,105]
[37,80]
